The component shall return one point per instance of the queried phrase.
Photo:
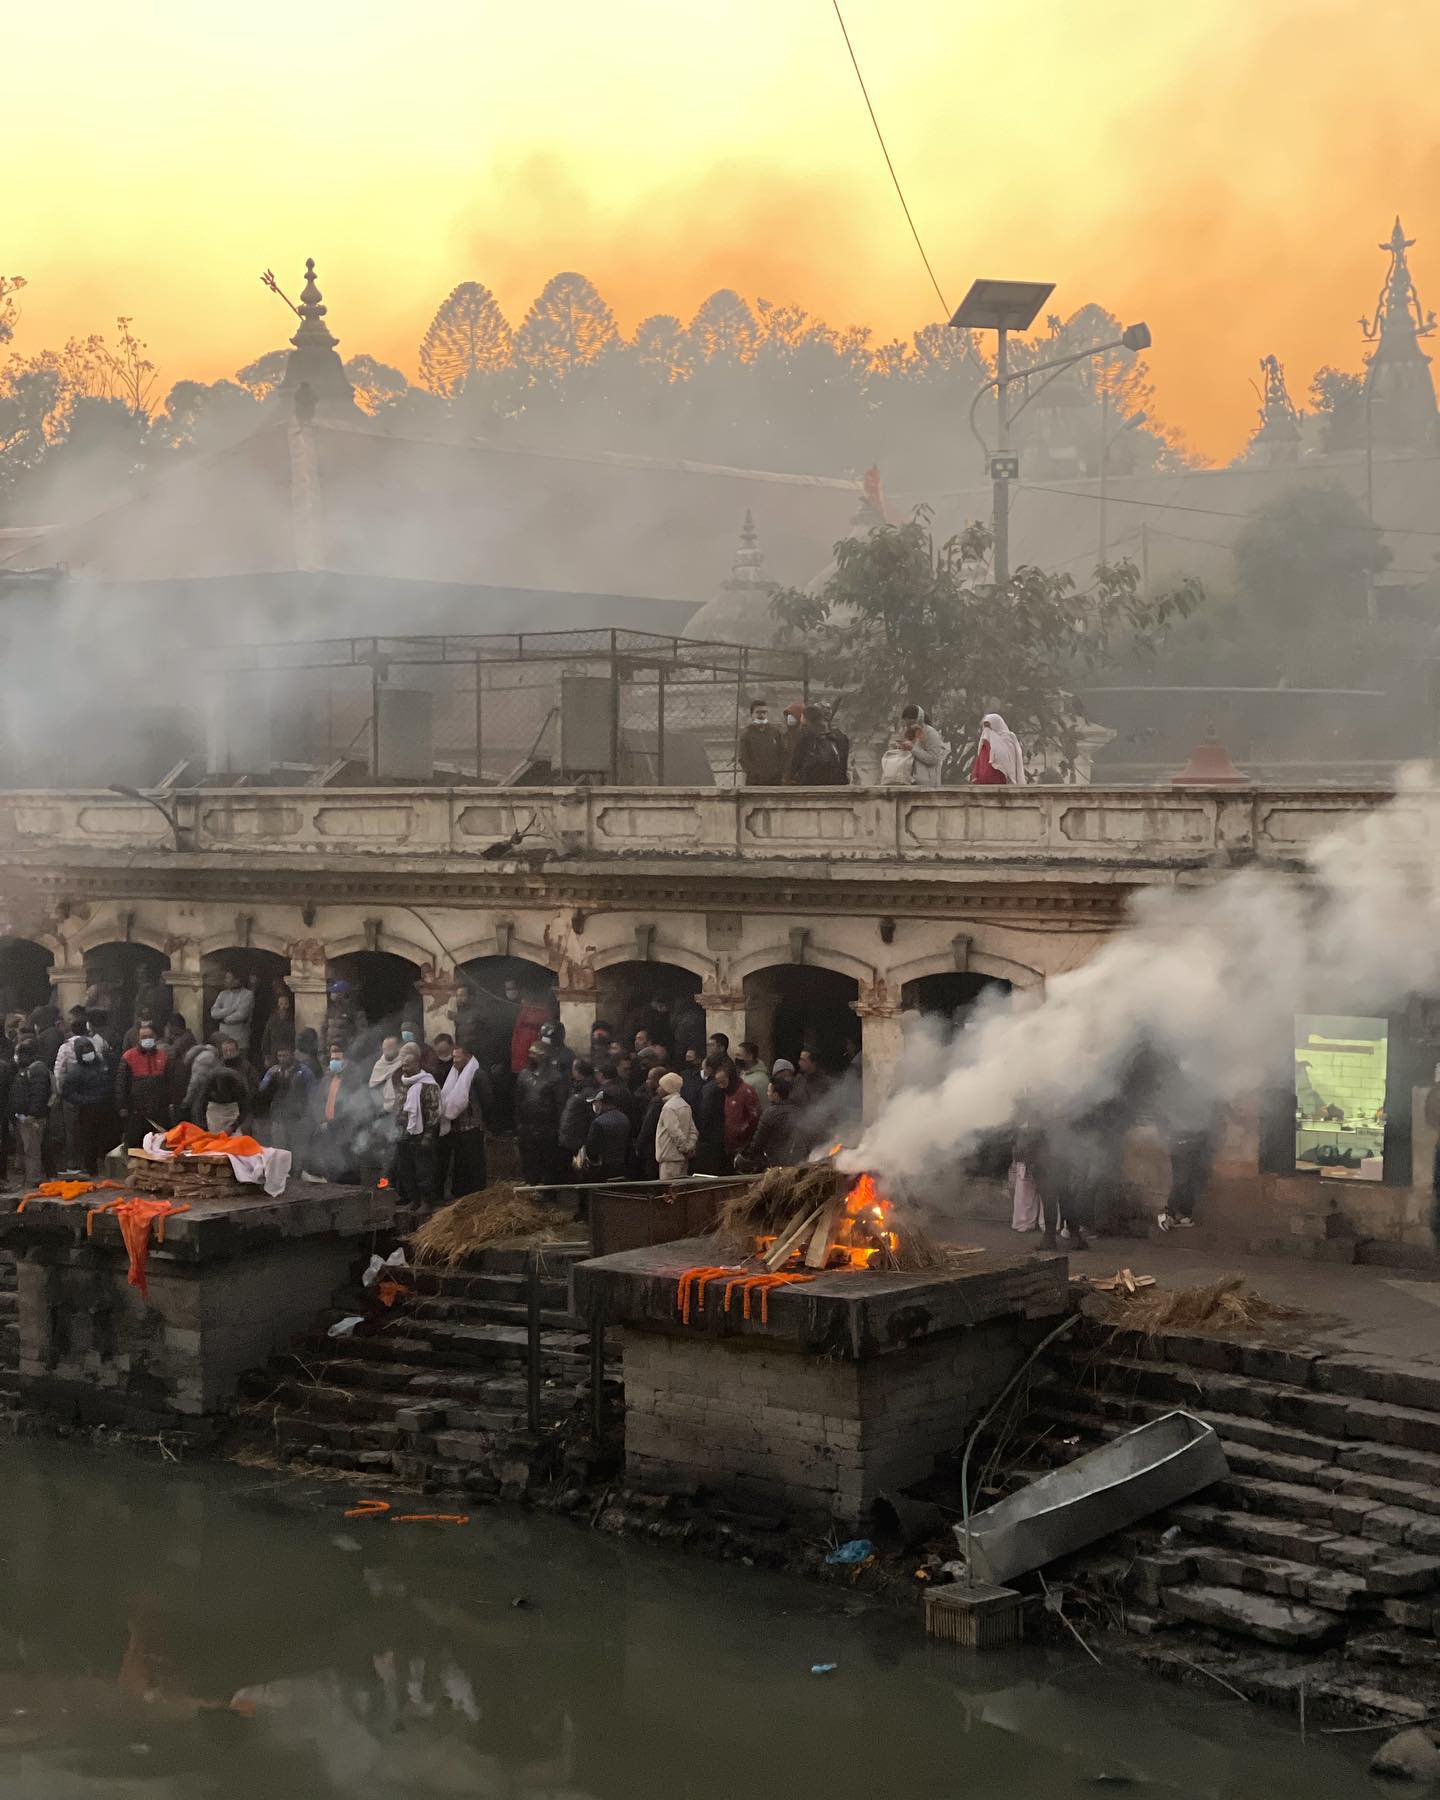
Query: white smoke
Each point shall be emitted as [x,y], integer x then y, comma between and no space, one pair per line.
[1208,980]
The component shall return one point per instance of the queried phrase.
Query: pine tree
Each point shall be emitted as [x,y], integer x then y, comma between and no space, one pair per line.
[724,328]
[469,333]
[568,326]
[660,345]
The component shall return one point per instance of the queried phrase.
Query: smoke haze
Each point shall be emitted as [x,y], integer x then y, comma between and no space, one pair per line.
[1209,980]
[1224,168]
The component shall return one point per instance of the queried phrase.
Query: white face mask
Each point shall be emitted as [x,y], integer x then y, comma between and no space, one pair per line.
[760,718]
[791,720]
[147,1043]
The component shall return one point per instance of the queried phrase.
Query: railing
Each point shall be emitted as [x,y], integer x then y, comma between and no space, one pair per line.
[1146,827]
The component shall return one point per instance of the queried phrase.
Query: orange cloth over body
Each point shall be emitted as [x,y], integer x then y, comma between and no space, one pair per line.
[190,1140]
[65,1190]
[136,1218]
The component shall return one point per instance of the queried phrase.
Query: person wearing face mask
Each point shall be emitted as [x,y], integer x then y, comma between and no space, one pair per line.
[86,1087]
[330,1154]
[142,1086]
[762,749]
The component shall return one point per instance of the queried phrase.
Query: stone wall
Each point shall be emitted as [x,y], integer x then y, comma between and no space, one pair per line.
[91,1345]
[767,1426]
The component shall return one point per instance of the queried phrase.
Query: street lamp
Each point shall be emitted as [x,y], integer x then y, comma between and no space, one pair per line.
[130,793]
[1003,307]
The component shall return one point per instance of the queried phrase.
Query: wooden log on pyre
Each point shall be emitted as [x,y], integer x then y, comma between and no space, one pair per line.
[186,1178]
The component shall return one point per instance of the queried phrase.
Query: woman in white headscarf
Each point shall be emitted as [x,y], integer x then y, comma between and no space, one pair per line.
[999,762]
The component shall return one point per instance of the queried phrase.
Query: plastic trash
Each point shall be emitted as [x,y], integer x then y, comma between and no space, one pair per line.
[378,1265]
[823,1668]
[1170,1537]
[856,1551]
[343,1327]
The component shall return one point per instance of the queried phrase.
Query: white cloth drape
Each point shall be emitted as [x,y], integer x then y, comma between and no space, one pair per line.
[414,1086]
[1006,754]
[455,1095]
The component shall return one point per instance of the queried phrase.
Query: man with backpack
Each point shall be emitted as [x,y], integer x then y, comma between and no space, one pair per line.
[819,755]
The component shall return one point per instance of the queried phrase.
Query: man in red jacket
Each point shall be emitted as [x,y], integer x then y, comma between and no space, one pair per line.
[142,1086]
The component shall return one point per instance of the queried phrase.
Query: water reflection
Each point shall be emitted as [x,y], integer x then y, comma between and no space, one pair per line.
[175,1632]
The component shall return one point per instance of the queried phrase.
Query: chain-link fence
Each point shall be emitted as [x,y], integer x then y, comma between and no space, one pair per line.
[620,707]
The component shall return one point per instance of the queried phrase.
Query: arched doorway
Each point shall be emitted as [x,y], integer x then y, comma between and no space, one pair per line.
[114,975]
[496,991]
[379,992]
[794,1007]
[950,996]
[24,975]
[263,972]
[655,997]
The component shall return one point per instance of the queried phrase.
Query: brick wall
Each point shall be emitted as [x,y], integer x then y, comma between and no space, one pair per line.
[769,1426]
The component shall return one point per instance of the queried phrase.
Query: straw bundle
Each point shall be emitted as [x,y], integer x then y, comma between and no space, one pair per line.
[778,1198]
[1227,1305]
[496,1215]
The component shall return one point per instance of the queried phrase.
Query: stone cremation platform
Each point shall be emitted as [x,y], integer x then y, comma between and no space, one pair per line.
[846,1387]
[232,1280]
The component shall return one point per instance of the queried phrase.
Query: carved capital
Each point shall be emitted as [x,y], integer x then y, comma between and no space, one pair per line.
[306,953]
[875,1001]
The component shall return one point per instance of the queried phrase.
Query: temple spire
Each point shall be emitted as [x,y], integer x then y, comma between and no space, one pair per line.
[1398,385]
[314,364]
[1278,438]
[749,559]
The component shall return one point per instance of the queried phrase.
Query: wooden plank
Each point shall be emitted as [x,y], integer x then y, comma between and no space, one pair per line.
[824,1234]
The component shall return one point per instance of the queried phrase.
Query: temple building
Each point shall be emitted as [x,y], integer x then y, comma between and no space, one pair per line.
[1400,392]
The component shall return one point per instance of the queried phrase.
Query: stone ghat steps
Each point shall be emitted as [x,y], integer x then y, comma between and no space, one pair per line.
[438,1394]
[1328,1524]
[9,1329]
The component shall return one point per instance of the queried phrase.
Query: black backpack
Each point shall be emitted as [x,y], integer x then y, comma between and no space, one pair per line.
[824,765]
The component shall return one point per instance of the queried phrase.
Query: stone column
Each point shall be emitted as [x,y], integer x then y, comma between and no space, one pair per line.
[188,997]
[882,1043]
[69,981]
[439,991]
[307,983]
[577,1015]
[725,1012]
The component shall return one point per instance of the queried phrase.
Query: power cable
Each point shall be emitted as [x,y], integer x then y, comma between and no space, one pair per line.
[1211,512]
[900,192]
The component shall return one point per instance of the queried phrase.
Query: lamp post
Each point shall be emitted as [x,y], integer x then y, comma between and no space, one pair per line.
[1003,307]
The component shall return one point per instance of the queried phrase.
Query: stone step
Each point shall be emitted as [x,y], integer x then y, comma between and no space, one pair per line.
[1287,1623]
[1332,1590]
[463,1284]
[1292,1500]
[487,1312]
[1387,1568]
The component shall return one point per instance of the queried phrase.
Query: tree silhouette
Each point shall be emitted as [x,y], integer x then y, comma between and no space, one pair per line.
[375,383]
[660,345]
[568,326]
[724,328]
[265,374]
[468,333]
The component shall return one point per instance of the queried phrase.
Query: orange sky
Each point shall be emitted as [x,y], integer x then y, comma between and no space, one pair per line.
[1221,168]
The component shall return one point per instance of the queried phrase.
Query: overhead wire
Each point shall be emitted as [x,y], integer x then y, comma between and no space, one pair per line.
[889,163]
[1212,512]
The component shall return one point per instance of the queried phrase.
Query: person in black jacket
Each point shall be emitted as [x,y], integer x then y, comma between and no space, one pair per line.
[606,1156]
[646,1166]
[539,1099]
[86,1085]
[579,1113]
[30,1094]
[709,1158]
[778,1142]
[226,1095]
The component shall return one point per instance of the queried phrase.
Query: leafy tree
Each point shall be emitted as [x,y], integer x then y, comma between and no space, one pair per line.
[375,383]
[10,286]
[265,374]
[567,326]
[1339,399]
[902,619]
[1302,560]
[469,333]
[198,415]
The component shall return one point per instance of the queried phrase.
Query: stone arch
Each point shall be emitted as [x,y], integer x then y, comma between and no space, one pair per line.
[667,955]
[817,956]
[658,995]
[114,970]
[112,928]
[980,962]
[792,1006]
[379,990]
[264,971]
[260,938]
[388,943]
[25,978]
[488,1009]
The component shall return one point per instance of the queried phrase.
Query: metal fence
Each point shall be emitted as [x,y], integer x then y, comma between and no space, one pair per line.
[611,706]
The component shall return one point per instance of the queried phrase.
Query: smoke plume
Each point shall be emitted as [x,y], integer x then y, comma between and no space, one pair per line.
[1205,983]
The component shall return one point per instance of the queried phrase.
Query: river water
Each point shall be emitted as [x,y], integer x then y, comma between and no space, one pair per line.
[169,1631]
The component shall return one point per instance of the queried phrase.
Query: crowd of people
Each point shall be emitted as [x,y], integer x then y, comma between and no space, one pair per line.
[665,1102]
[809,750]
